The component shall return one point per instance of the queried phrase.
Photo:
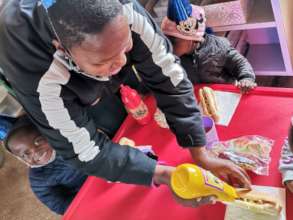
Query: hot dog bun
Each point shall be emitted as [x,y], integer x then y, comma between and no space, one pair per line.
[258,202]
[208,103]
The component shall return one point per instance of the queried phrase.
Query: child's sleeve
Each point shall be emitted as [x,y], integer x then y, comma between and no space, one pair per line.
[238,66]
[52,197]
[56,193]
[286,163]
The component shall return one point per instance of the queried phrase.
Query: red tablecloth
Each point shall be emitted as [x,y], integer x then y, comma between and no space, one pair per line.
[266,111]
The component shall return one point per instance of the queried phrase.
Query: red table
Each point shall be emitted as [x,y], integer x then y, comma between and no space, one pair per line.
[265,111]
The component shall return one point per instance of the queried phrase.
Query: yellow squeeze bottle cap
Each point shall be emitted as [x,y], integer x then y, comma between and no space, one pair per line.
[181,179]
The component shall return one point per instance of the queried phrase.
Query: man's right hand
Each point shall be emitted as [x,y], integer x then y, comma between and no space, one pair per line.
[195,202]
[224,169]
[163,176]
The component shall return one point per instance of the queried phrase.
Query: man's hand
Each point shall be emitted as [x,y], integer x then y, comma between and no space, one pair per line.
[245,85]
[224,169]
[289,185]
[195,202]
[163,176]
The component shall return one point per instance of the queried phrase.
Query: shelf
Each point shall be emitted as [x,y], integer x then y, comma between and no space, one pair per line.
[261,16]
[266,59]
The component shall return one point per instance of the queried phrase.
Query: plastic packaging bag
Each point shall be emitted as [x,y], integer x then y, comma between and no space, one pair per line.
[250,152]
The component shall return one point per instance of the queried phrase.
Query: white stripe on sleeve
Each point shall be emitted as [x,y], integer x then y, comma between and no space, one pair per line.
[52,105]
[155,43]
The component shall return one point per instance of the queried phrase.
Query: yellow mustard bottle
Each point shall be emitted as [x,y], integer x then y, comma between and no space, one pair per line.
[189,181]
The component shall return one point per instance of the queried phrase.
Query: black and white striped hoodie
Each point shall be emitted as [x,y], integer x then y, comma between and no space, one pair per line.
[55,95]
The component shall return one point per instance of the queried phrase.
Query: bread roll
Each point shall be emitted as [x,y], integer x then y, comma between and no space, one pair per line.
[258,202]
[208,103]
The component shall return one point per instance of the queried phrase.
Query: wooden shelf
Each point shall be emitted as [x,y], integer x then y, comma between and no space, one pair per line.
[266,59]
[261,16]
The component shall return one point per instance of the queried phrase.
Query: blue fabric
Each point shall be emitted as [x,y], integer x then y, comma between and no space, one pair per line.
[56,184]
[179,10]
[5,127]
[48,3]
[209,30]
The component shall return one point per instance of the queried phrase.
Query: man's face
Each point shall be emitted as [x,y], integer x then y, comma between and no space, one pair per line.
[104,54]
[33,148]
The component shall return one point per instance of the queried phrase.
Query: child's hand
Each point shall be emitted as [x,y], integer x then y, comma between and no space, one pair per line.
[245,85]
[289,185]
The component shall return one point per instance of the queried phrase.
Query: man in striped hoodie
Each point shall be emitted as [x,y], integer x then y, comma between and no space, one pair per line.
[66,59]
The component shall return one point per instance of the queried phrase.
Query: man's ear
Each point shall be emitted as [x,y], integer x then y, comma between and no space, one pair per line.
[57,45]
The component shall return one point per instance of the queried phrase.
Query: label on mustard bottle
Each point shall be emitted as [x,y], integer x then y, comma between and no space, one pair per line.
[140,112]
[213,181]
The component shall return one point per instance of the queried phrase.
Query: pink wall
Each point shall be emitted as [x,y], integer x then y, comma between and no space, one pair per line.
[263,36]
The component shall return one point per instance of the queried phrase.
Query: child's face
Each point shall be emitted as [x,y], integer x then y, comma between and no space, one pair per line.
[182,47]
[34,149]
[103,54]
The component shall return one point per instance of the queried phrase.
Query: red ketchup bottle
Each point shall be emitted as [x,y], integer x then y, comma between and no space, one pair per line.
[134,105]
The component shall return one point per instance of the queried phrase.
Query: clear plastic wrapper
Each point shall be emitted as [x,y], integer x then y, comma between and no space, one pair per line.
[250,152]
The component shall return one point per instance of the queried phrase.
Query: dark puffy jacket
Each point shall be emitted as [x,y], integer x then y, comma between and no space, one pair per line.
[216,61]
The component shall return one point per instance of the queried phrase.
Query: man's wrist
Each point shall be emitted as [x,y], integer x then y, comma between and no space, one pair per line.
[162,175]
[199,155]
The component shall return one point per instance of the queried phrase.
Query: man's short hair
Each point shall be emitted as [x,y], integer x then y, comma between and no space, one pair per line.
[74,19]
[24,125]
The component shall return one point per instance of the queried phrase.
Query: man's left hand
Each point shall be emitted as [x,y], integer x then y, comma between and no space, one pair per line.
[224,169]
